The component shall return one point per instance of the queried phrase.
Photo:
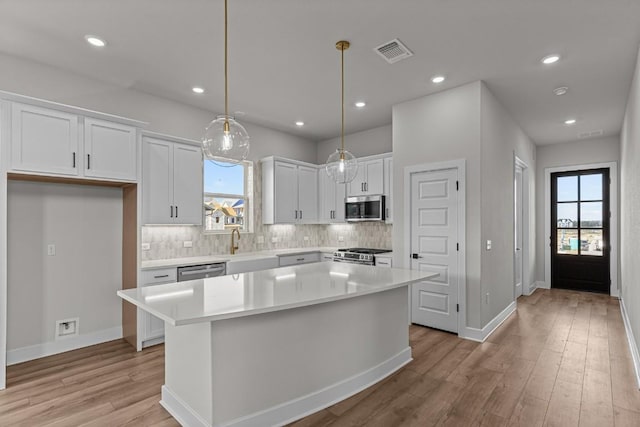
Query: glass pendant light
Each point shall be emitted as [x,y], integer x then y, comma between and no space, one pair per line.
[342,166]
[225,138]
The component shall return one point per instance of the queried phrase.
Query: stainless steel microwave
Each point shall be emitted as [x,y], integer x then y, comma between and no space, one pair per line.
[364,208]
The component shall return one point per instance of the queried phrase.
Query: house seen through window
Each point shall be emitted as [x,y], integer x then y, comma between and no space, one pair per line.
[226,195]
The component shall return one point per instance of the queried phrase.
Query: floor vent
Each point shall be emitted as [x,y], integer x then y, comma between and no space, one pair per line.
[393,51]
[591,134]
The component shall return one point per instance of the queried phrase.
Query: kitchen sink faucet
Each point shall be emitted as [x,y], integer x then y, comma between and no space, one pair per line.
[234,246]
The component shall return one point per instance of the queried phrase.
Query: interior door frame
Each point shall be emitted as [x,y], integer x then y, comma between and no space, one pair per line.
[460,165]
[527,287]
[613,225]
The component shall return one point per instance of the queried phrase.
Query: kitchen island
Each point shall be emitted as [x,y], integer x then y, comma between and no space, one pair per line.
[269,347]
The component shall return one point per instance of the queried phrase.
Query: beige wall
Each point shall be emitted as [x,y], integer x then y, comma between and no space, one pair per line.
[630,206]
[163,115]
[502,138]
[360,144]
[81,280]
[581,152]
[441,127]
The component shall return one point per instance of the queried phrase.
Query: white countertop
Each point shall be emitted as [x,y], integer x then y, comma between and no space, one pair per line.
[242,256]
[245,294]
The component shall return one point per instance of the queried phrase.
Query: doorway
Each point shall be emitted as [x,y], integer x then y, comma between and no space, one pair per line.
[434,201]
[517,236]
[580,230]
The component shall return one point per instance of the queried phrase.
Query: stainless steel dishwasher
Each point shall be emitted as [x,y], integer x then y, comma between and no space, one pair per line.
[194,272]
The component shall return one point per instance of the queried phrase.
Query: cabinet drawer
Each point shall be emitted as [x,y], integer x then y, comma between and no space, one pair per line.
[383,262]
[327,257]
[299,259]
[161,275]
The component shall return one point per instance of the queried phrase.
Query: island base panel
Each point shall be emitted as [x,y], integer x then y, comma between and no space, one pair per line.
[274,368]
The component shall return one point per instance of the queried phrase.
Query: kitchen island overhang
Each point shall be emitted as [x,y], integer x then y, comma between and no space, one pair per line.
[269,347]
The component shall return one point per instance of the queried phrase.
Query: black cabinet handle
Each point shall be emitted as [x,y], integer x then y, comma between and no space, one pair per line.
[171,211]
[74,159]
[161,276]
[88,161]
[176,212]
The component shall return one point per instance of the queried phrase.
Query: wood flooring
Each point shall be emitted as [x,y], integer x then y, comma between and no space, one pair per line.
[561,360]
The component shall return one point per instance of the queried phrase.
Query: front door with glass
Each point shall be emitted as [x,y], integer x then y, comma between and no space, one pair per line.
[580,230]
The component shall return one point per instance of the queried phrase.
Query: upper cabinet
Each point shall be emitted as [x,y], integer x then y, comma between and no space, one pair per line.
[388,189]
[289,192]
[51,142]
[172,190]
[110,150]
[369,179]
[331,198]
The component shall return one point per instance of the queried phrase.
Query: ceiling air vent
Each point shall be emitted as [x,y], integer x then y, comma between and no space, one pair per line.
[591,134]
[393,51]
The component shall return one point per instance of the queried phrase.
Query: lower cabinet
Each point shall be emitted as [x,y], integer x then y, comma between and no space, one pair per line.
[327,256]
[299,259]
[152,327]
[249,265]
[383,261]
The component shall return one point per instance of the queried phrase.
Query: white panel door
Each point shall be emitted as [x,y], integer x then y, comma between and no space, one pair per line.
[307,194]
[518,233]
[157,181]
[110,150]
[188,199]
[44,141]
[286,193]
[434,229]
[375,177]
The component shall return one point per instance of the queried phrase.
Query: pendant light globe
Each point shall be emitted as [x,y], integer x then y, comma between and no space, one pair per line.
[342,166]
[225,139]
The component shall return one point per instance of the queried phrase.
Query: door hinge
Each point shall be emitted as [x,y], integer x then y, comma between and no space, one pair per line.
[457,308]
[457,186]
[457,246]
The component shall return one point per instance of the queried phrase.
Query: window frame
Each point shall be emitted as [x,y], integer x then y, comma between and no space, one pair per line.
[248,174]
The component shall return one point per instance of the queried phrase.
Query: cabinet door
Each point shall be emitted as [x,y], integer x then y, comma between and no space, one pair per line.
[341,192]
[157,181]
[388,189]
[110,150]
[187,184]
[356,187]
[308,194]
[375,176]
[326,197]
[286,193]
[44,141]
[153,327]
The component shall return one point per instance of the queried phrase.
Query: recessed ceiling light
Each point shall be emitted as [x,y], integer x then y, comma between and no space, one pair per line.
[437,79]
[299,123]
[550,59]
[360,104]
[95,41]
[561,90]
[197,89]
[570,122]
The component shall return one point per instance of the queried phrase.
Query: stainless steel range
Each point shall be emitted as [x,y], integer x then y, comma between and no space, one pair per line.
[362,256]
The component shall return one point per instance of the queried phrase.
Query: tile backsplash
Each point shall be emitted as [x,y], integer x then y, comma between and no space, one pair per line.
[168,242]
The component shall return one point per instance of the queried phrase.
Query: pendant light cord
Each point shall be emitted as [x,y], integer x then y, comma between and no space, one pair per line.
[342,78]
[226,84]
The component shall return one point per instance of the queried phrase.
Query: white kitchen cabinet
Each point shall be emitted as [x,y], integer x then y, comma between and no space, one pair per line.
[152,327]
[331,199]
[383,261]
[249,265]
[44,141]
[388,189]
[171,182]
[327,256]
[110,150]
[51,142]
[369,179]
[299,259]
[289,192]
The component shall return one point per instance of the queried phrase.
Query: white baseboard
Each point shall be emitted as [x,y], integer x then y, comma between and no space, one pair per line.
[633,347]
[37,351]
[531,288]
[295,409]
[480,335]
[543,285]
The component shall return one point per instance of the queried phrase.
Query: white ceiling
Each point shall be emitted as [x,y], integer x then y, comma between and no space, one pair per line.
[284,66]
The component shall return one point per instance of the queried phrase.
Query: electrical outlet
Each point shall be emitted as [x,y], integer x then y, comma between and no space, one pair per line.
[187,244]
[486,298]
[340,238]
[146,246]
[306,238]
[488,245]
[51,250]
[67,327]
[260,240]
[274,240]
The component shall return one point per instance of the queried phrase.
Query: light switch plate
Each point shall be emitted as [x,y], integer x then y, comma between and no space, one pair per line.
[340,238]
[187,244]
[488,245]
[51,250]
[146,246]
[274,240]
[306,238]
[260,239]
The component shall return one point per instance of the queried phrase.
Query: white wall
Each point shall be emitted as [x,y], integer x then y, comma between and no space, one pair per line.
[440,127]
[163,115]
[580,152]
[360,144]
[501,139]
[81,280]
[630,206]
